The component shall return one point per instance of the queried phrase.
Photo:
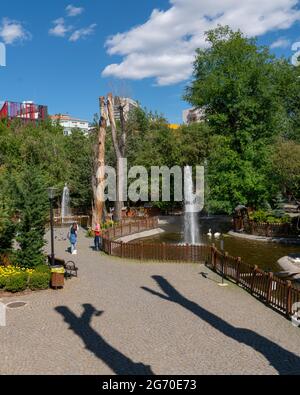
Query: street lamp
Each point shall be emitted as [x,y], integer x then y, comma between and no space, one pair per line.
[51,195]
[222,284]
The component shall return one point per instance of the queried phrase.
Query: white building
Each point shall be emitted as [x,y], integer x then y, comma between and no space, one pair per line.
[129,105]
[69,123]
[193,115]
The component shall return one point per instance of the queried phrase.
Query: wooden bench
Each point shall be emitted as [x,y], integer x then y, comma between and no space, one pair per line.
[70,267]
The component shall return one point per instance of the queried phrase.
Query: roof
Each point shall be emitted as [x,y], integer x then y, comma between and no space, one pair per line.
[66,117]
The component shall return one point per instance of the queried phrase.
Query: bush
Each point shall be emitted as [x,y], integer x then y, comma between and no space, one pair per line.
[90,233]
[269,217]
[3,281]
[17,283]
[42,269]
[39,280]
[5,260]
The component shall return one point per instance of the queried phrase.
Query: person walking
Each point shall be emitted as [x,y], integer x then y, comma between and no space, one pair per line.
[97,233]
[73,237]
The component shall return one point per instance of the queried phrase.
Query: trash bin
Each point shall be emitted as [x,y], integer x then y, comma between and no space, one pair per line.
[57,277]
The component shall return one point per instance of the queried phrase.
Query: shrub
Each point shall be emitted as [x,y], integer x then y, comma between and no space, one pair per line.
[89,232]
[5,260]
[42,269]
[39,280]
[3,281]
[17,282]
[269,217]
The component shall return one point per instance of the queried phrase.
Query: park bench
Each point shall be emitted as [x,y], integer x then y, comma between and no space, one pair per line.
[70,267]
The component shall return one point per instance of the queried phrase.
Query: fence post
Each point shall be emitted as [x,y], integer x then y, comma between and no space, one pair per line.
[164,251]
[289,299]
[122,249]
[253,278]
[225,262]
[238,270]
[142,251]
[269,291]
[212,255]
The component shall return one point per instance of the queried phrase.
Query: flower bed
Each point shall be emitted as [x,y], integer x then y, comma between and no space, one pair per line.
[16,279]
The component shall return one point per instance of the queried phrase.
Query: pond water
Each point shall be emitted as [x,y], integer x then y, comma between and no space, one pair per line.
[264,255]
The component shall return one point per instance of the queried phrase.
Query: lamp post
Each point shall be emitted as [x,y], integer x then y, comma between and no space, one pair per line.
[222,284]
[51,195]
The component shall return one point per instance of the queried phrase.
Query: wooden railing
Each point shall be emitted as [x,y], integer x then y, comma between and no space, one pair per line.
[275,292]
[149,251]
[266,229]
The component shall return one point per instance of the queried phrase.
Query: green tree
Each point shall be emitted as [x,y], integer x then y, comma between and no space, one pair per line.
[285,167]
[241,87]
[32,205]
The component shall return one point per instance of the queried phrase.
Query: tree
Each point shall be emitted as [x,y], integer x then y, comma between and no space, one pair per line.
[7,229]
[119,143]
[32,205]
[99,166]
[7,224]
[241,87]
[285,167]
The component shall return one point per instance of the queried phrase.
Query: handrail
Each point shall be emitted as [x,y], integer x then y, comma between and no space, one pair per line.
[273,291]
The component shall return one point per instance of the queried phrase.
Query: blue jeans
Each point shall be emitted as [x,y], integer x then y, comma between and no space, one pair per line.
[97,243]
[73,247]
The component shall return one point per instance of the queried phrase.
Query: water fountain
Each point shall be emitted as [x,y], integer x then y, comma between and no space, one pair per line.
[65,205]
[191,226]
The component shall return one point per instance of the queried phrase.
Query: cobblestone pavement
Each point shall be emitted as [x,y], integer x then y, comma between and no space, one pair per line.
[131,318]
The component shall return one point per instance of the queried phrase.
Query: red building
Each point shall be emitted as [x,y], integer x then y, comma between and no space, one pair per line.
[26,111]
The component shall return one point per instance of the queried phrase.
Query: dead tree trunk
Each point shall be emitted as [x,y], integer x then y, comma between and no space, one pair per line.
[120,151]
[99,178]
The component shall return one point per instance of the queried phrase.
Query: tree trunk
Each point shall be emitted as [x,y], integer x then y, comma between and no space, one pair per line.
[99,182]
[119,151]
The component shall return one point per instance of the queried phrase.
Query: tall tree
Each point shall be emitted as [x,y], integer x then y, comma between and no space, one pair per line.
[99,168]
[119,143]
[32,205]
[241,86]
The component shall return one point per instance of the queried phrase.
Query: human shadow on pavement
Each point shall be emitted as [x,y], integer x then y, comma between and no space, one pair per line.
[95,343]
[284,361]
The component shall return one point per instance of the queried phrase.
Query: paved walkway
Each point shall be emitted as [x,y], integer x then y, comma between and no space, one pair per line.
[131,318]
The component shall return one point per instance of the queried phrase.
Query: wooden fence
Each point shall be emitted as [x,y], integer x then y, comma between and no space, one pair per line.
[149,251]
[265,229]
[275,292]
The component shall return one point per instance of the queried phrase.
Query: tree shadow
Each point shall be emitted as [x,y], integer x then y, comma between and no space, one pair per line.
[284,361]
[95,343]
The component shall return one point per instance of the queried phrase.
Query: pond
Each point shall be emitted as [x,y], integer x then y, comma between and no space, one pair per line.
[264,255]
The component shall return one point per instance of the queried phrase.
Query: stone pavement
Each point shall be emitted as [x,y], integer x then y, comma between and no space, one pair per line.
[133,318]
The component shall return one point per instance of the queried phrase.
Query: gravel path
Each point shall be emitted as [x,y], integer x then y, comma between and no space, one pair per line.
[131,318]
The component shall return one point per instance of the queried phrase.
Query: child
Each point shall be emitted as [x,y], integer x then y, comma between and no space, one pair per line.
[97,233]
[73,237]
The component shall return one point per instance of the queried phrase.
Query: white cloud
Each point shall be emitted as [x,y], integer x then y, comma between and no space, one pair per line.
[82,33]
[164,46]
[281,43]
[12,31]
[59,29]
[74,11]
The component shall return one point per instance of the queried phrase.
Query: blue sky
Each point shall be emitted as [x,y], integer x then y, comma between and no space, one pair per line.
[65,54]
